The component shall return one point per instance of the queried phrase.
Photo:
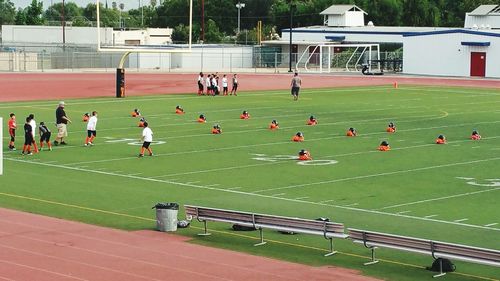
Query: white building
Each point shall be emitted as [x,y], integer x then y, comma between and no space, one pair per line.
[484,17]
[344,15]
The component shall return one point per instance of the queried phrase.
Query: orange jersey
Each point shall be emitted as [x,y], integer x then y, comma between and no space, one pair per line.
[85,118]
[179,111]
[297,139]
[273,126]
[391,129]
[384,148]
[140,124]
[350,134]
[440,141]
[216,131]
[244,116]
[12,124]
[475,137]
[305,157]
[134,114]
[312,122]
[202,120]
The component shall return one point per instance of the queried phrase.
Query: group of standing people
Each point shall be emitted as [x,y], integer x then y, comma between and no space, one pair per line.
[212,85]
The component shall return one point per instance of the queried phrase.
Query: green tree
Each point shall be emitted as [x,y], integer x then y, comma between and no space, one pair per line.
[34,13]
[108,17]
[212,32]
[20,17]
[7,12]
[71,11]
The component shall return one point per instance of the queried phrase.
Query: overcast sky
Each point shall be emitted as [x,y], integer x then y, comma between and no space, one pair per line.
[129,4]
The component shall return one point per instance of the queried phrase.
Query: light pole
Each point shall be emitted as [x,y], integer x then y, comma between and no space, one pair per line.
[239,6]
[63,25]
[292,6]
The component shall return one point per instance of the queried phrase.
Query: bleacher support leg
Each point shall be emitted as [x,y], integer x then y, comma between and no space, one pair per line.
[373,261]
[441,273]
[206,233]
[332,252]
[262,242]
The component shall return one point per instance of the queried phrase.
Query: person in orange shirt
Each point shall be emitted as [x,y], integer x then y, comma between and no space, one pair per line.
[136,113]
[384,146]
[298,137]
[391,128]
[441,139]
[274,125]
[475,135]
[216,129]
[85,117]
[179,110]
[141,122]
[202,119]
[304,155]
[245,115]
[12,130]
[312,121]
[351,132]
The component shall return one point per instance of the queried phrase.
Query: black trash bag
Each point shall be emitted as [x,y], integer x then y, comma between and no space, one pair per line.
[237,227]
[323,219]
[448,266]
[169,206]
[183,224]
[287,232]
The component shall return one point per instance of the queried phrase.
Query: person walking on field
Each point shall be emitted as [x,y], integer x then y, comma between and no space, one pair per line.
[147,138]
[295,84]
[61,123]
[235,85]
[91,129]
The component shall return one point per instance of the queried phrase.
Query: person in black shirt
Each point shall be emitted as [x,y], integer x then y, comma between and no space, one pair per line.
[61,122]
[44,135]
[28,137]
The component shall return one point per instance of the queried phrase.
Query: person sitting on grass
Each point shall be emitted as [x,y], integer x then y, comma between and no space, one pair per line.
[245,115]
[299,137]
[141,122]
[441,139]
[312,121]
[136,113]
[274,125]
[216,129]
[179,110]
[304,155]
[391,128]
[351,132]
[475,135]
[384,146]
[202,119]
[85,117]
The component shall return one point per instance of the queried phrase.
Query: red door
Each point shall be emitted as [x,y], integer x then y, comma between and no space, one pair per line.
[477,64]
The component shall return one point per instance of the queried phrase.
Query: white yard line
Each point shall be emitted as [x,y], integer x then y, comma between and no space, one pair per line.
[302,198]
[491,224]
[350,205]
[279,194]
[326,201]
[256,195]
[440,198]
[404,212]
[234,188]
[210,185]
[461,220]
[377,175]
[430,216]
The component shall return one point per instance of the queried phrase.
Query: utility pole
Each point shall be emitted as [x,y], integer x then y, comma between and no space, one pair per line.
[239,6]
[203,20]
[63,25]
[292,6]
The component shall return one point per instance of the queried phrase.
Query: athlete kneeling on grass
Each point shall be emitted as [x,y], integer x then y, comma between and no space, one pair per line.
[441,139]
[179,110]
[147,139]
[304,155]
[274,125]
[384,146]
[475,135]
[216,129]
[141,122]
[312,121]
[245,115]
[391,128]
[298,137]
[351,132]
[136,113]
[202,119]
[85,117]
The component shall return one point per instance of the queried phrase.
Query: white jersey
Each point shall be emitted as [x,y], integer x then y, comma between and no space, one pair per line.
[92,123]
[33,127]
[224,82]
[208,82]
[147,134]
[200,79]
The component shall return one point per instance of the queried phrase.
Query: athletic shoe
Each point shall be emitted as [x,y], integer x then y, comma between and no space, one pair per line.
[50,148]
[31,153]
[151,154]
[90,143]
[141,155]
[63,143]
[86,144]
[56,143]
[12,149]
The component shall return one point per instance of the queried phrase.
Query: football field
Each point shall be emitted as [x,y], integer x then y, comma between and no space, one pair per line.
[445,192]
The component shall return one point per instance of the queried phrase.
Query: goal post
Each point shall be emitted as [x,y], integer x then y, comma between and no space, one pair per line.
[1,146]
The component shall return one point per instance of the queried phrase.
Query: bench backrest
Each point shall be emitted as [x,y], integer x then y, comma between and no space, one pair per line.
[435,248]
[329,229]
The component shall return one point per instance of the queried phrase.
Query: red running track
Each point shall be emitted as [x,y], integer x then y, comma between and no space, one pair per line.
[34,247]
[43,86]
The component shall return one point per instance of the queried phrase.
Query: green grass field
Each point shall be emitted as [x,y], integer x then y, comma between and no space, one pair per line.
[443,192]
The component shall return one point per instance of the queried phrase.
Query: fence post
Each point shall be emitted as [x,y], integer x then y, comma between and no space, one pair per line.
[275,62]
[231,62]
[24,60]
[43,60]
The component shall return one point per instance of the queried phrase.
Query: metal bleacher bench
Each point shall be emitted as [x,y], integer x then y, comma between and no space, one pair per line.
[436,249]
[328,230]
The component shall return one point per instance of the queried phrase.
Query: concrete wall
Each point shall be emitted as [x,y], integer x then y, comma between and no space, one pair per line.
[54,34]
[443,54]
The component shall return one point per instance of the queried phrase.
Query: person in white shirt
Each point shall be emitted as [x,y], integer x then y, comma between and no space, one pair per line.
[147,138]
[200,84]
[33,131]
[208,84]
[91,129]
[224,85]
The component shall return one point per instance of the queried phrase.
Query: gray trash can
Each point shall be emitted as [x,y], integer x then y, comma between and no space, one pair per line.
[166,216]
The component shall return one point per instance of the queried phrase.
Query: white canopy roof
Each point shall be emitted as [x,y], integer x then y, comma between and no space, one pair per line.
[341,9]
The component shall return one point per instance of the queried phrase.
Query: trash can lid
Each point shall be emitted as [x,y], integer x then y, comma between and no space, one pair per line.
[170,206]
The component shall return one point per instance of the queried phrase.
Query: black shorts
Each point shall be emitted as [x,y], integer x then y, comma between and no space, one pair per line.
[91,133]
[235,87]
[200,86]
[224,89]
[295,91]
[28,139]
[45,137]
[146,144]
[12,133]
